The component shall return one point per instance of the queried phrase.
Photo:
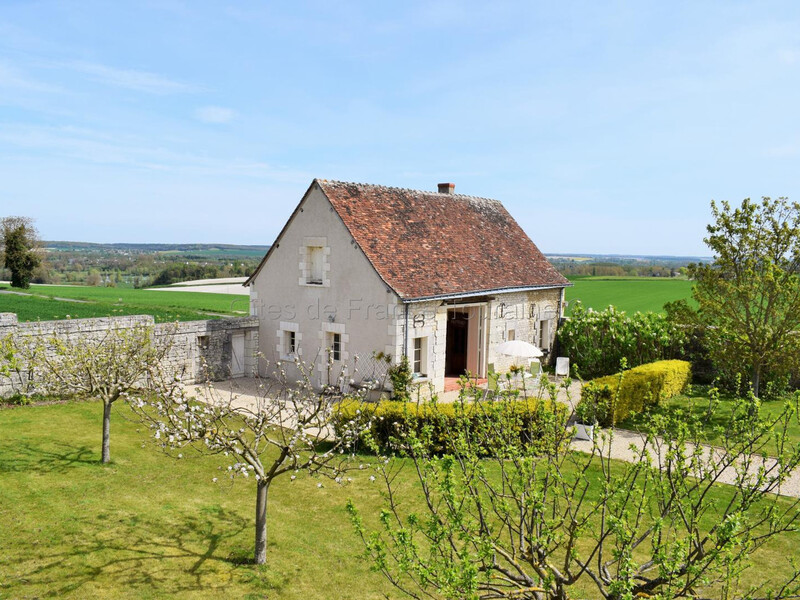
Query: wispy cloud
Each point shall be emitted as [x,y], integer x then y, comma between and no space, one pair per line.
[13,78]
[214,114]
[141,81]
[131,152]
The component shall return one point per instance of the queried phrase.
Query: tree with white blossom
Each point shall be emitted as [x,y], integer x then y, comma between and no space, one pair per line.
[285,430]
[107,367]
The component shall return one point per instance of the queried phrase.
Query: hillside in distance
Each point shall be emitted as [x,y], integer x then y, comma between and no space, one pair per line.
[125,264]
[627,258]
[218,249]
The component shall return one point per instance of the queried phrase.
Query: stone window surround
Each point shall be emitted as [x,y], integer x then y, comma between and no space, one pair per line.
[323,335]
[305,268]
[286,327]
[423,324]
[425,365]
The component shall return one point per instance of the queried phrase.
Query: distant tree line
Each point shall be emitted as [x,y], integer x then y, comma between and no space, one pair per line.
[178,272]
[570,267]
[130,265]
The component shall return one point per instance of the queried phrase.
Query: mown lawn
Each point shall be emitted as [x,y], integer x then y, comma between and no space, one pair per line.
[630,294]
[44,303]
[695,404]
[149,526]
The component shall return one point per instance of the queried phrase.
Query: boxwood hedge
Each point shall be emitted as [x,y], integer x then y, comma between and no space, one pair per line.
[615,397]
[487,425]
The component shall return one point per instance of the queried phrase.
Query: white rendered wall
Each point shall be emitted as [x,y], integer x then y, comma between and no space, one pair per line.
[353,300]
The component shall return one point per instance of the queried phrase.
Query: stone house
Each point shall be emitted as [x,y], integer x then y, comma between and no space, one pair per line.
[441,278]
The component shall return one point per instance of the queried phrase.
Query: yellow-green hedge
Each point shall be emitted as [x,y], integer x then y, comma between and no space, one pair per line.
[488,425]
[618,396]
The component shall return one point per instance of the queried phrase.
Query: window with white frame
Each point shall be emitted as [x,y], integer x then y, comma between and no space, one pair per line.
[419,358]
[335,345]
[511,335]
[290,342]
[289,338]
[333,342]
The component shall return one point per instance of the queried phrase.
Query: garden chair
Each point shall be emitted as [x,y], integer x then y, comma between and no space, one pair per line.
[562,366]
[536,367]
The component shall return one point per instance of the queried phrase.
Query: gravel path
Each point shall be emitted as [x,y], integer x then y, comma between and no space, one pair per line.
[623,444]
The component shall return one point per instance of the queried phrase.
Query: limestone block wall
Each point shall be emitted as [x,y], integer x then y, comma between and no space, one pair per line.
[199,349]
[524,314]
[427,320]
[530,316]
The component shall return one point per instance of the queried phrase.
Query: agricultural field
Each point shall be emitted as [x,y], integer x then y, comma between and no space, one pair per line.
[630,294]
[45,302]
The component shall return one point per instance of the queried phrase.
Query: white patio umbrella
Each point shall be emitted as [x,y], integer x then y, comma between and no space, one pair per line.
[519,349]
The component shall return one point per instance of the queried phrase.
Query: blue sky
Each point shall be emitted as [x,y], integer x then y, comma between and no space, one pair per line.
[604,127]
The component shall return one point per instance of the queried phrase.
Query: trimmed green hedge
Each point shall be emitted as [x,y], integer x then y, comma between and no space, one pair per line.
[488,425]
[615,397]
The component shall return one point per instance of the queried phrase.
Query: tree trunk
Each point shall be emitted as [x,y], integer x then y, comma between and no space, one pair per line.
[106,432]
[261,523]
[756,379]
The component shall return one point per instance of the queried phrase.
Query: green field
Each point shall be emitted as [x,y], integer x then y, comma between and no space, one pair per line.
[630,294]
[60,302]
[626,293]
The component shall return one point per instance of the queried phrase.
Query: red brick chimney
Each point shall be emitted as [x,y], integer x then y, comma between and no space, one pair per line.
[446,188]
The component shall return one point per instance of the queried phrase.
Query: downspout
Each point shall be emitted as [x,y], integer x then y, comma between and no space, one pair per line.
[559,320]
[405,332]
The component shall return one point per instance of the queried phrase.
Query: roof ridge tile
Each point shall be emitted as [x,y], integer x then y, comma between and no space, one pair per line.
[403,189]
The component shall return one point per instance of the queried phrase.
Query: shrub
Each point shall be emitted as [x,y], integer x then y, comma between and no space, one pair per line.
[400,376]
[596,341]
[523,420]
[617,396]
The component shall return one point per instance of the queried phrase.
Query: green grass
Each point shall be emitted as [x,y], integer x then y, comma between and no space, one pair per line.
[148,526]
[626,293]
[44,303]
[630,294]
[696,403]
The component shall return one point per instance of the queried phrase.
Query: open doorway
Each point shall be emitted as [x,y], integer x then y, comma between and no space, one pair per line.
[465,350]
[455,358]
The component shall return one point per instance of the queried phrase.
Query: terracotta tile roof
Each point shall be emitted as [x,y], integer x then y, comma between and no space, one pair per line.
[426,244]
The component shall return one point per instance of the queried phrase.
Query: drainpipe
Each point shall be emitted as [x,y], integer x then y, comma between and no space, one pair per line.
[556,344]
[405,332]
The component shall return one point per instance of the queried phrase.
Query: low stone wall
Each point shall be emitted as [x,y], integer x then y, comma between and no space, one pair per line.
[217,349]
